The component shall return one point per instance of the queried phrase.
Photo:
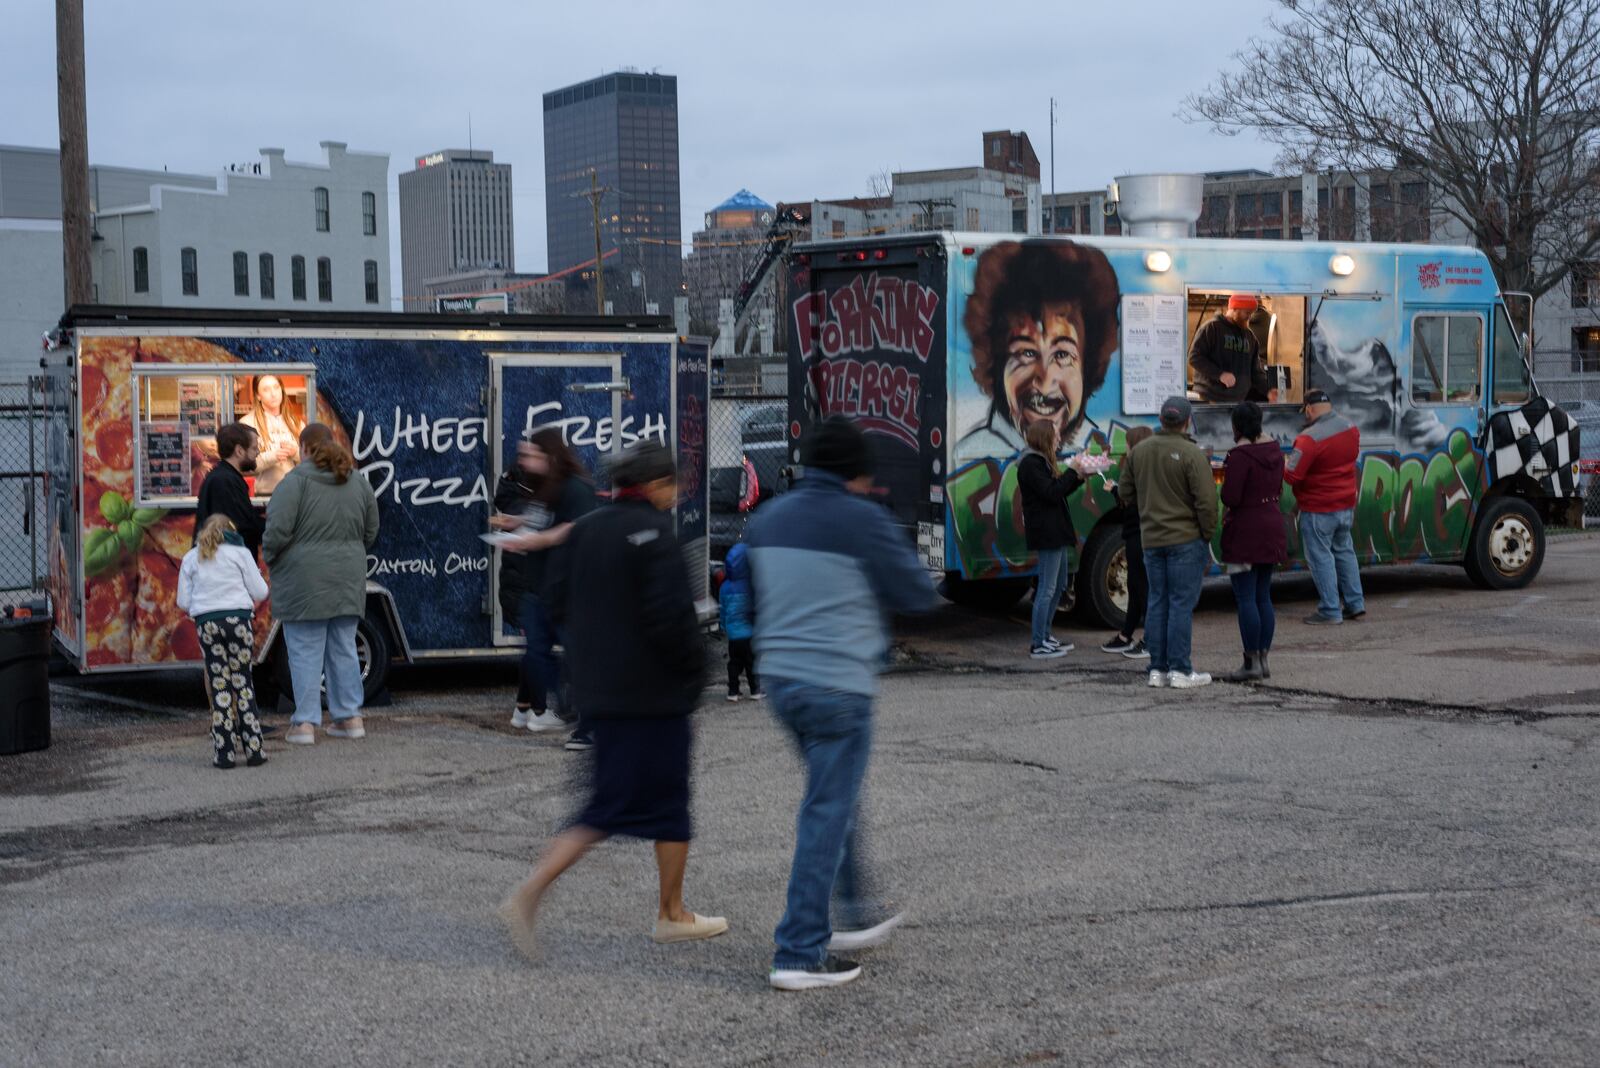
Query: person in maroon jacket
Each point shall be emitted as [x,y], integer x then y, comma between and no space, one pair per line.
[1322,471]
[1253,539]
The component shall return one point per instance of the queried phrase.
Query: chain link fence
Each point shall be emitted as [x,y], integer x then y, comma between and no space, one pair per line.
[1578,394]
[747,442]
[22,542]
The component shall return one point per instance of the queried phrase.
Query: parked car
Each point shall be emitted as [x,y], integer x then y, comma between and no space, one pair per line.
[736,490]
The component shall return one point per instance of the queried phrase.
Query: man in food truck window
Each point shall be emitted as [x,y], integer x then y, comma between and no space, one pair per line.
[225,490]
[1042,320]
[1226,357]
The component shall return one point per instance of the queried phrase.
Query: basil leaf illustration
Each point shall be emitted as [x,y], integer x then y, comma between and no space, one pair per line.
[147,517]
[130,534]
[101,551]
[113,507]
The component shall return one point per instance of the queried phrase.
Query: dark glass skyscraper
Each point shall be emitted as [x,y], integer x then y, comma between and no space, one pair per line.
[623,127]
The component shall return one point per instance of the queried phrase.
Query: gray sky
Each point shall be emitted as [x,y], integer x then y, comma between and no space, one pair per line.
[805,104]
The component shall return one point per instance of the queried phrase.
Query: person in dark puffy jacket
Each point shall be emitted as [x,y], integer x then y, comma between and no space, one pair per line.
[1047,527]
[620,590]
[1253,539]
[737,612]
[1124,641]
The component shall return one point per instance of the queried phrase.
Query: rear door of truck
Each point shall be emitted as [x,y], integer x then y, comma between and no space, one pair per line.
[867,340]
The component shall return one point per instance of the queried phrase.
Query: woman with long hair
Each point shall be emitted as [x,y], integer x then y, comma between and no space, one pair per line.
[320,524]
[538,501]
[273,417]
[1254,542]
[1047,526]
[1138,582]
[219,586]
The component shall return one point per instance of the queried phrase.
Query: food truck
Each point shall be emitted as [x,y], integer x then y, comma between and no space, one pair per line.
[431,406]
[946,346]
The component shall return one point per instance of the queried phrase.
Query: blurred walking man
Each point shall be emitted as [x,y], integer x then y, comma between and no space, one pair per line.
[827,566]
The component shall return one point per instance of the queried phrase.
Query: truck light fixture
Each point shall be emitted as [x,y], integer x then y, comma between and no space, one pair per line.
[1342,264]
[969,250]
[880,254]
[1159,261]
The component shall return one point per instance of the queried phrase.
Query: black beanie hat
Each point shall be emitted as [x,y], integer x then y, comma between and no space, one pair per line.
[641,463]
[839,447]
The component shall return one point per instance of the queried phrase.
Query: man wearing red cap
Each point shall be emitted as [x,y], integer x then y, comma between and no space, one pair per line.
[1226,357]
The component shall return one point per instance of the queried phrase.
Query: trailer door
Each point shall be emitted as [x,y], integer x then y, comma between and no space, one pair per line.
[533,390]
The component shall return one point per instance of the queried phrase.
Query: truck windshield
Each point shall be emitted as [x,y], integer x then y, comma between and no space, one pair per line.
[1512,383]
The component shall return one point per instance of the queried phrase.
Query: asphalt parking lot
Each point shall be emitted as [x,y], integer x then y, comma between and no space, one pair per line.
[1386,855]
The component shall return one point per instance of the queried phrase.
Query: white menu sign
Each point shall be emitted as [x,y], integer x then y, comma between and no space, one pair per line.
[1153,358]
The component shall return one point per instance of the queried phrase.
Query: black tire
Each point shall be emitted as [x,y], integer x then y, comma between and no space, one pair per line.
[1103,579]
[1507,547]
[985,595]
[372,650]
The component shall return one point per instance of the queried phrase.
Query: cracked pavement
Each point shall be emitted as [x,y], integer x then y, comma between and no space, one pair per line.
[1388,855]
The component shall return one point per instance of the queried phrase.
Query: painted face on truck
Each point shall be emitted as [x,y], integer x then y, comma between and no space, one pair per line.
[1043,377]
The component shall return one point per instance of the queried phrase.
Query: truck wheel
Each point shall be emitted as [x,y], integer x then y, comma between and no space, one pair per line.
[1507,546]
[985,595]
[372,650]
[1103,579]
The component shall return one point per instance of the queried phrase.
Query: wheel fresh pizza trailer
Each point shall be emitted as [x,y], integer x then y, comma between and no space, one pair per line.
[946,346]
[431,406]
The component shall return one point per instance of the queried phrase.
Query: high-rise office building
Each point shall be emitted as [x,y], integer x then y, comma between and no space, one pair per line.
[624,128]
[455,215]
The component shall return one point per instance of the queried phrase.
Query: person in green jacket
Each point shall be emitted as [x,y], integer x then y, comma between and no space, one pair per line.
[320,524]
[1170,478]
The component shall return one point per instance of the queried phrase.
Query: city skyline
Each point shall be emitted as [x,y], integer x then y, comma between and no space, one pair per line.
[788,117]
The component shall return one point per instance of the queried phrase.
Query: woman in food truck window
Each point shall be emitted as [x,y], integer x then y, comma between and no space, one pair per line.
[272,415]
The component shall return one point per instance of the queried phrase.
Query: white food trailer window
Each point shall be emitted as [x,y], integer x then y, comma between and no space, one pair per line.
[180,408]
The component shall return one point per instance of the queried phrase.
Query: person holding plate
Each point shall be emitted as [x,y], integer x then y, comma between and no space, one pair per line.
[1047,526]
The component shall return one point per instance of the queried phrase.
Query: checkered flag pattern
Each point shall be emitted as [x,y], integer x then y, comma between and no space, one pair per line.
[1537,440]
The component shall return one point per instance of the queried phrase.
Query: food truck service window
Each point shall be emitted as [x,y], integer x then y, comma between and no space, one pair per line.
[1276,325]
[1446,358]
[180,408]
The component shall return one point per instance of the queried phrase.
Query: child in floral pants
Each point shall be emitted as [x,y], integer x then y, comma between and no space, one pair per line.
[219,586]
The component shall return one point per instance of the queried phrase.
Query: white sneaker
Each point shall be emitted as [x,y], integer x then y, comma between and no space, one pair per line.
[759,695]
[866,938]
[545,721]
[1159,680]
[1046,652]
[733,698]
[553,703]
[1187,681]
[519,717]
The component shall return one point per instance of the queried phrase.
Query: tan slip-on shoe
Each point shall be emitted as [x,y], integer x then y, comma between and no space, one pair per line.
[690,930]
[301,736]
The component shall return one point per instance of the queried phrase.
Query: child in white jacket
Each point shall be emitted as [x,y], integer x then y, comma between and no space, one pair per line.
[219,586]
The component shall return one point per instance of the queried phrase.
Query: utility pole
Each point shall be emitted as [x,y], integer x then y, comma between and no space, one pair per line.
[1052,227]
[71,115]
[596,191]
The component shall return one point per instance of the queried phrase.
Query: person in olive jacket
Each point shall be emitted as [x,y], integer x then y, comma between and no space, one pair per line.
[619,587]
[320,524]
[1047,526]
[1253,539]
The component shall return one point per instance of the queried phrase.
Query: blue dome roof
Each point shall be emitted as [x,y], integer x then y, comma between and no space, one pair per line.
[742,200]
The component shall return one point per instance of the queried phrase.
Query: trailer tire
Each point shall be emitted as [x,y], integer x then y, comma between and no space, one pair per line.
[985,595]
[372,653]
[1507,547]
[1103,578]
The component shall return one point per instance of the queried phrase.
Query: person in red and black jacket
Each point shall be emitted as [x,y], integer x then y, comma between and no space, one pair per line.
[1322,472]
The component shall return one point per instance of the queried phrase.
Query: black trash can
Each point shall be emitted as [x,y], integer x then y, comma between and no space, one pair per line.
[24,684]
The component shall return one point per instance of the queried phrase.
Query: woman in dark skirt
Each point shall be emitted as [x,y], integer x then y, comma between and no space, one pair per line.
[636,657]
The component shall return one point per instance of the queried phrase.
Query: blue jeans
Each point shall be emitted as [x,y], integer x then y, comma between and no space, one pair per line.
[540,667]
[1252,590]
[833,731]
[1331,558]
[318,648]
[1174,572]
[1053,577]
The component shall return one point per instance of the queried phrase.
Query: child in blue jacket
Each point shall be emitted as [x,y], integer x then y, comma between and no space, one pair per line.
[738,622]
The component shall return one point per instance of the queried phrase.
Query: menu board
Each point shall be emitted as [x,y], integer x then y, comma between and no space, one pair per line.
[197,405]
[1153,358]
[164,459]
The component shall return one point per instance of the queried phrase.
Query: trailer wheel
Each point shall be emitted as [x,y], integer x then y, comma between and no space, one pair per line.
[372,650]
[372,653]
[985,595]
[1103,578]
[1507,546]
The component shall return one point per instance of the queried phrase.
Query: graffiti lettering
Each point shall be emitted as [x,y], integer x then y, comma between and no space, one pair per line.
[881,397]
[873,313]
